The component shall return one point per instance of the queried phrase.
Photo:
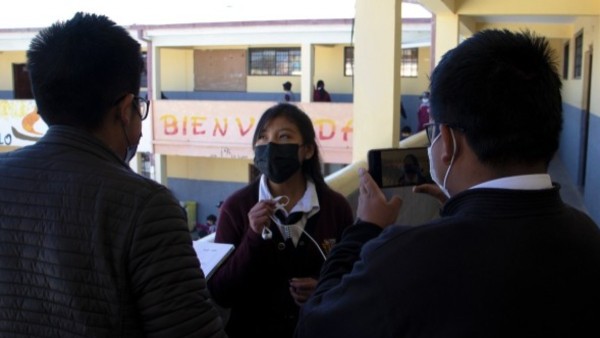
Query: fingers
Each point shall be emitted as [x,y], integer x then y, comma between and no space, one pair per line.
[366,181]
[302,288]
[395,204]
[259,215]
[432,190]
[373,206]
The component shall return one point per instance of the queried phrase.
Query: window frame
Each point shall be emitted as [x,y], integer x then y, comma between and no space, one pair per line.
[566,59]
[348,63]
[578,56]
[291,63]
[410,61]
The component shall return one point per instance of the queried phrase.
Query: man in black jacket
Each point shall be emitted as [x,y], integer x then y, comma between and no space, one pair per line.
[507,258]
[88,248]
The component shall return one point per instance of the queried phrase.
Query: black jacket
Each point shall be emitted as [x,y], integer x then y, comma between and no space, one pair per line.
[88,248]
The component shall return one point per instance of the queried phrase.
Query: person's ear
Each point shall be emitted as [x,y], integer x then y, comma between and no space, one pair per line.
[124,109]
[449,143]
[309,151]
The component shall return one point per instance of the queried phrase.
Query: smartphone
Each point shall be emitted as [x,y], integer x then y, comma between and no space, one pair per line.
[399,167]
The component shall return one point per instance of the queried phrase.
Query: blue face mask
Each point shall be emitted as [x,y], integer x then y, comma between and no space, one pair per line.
[131,148]
[278,162]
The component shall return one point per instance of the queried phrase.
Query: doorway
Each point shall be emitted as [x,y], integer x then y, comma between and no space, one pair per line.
[21,84]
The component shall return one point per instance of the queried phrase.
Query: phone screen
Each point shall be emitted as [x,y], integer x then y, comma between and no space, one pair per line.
[399,167]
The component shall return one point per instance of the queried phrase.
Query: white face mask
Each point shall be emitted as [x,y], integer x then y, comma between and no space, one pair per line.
[432,171]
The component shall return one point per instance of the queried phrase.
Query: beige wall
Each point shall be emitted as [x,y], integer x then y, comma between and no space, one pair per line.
[594,33]
[416,85]
[269,84]
[329,67]
[177,72]
[176,69]
[209,169]
[6,61]
[573,88]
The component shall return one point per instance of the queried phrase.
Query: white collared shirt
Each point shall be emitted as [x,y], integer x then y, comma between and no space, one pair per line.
[308,205]
[520,182]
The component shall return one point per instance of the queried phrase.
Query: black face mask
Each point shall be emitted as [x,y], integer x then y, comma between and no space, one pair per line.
[277,161]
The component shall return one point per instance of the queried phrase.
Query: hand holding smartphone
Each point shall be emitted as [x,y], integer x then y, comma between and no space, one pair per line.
[399,167]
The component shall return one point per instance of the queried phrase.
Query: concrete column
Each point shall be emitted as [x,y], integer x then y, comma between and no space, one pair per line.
[160,169]
[446,35]
[308,66]
[377,59]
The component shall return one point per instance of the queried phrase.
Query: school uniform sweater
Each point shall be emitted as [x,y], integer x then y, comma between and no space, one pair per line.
[254,280]
[498,263]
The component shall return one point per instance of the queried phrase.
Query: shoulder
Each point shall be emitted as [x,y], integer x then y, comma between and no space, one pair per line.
[330,196]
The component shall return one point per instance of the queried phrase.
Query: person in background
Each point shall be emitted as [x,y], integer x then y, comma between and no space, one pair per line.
[423,114]
[288,95]
[282,225]
[320,94]
[89,247]
[507,258]
[405,132]
[211,221]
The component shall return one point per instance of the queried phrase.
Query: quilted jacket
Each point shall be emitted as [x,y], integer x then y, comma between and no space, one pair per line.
[88,248]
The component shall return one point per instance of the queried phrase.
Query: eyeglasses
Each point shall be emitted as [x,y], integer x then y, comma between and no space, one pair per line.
[142,105]
[433,130]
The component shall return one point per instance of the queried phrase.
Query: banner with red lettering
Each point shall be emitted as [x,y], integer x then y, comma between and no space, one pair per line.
[225,129]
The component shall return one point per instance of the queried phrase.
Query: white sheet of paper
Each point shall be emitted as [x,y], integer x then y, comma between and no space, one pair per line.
[211,255]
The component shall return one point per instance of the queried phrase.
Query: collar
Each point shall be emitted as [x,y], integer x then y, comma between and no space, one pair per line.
[308,204]
[520,182]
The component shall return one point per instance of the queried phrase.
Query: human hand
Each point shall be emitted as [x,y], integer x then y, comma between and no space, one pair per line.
[259,215]
[432,190]
[372,204]
[302,288]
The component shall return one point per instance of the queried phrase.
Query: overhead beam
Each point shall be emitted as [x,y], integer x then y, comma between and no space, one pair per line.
[528,7]
[439,7]
[548,30]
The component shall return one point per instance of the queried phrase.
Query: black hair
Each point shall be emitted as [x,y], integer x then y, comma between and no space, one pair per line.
[287,85]
[310,167]
[80,68]
[502,90]
[211,218]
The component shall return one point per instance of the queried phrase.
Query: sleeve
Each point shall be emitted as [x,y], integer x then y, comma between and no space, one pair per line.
[166,279]
[342,292]
[230,281]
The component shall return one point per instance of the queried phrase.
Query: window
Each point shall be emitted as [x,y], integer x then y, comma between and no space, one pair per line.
[566,61]
[275,61]
[144,77]
[410,62]
[578,58]
[348,61]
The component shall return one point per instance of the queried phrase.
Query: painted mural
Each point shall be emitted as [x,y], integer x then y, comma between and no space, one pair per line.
[20,124]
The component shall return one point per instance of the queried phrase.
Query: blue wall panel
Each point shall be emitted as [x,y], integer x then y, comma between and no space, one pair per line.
[592,179]
[206,193]
[570,147]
